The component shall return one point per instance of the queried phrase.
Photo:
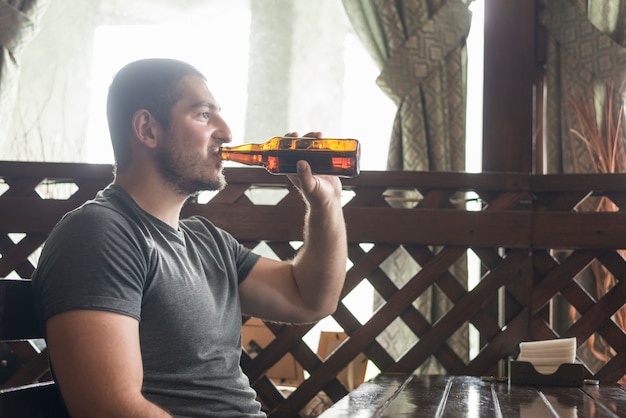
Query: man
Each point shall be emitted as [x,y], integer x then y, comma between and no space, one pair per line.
[143,310]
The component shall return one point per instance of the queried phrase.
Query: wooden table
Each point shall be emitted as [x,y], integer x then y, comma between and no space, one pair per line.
[398,395]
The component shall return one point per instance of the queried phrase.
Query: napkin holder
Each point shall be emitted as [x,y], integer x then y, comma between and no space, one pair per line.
[567,374]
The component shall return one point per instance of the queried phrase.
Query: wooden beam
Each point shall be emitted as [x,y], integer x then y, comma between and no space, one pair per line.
[509,75]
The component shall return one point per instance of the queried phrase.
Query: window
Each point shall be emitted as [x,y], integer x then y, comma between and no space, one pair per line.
[348,104]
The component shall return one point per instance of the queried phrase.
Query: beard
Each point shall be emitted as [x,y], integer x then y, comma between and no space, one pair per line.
[187,172]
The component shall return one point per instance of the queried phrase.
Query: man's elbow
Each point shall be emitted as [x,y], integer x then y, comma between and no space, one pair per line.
[319,312]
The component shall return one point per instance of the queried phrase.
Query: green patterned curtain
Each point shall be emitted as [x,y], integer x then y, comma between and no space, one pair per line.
[584,122]
[419,46]
[18,26]
[585,53]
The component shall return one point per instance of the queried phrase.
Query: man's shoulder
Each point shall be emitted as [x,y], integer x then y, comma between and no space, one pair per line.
[98,214]
[93,211]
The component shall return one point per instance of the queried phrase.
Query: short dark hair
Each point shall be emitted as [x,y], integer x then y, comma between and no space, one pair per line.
[149,84]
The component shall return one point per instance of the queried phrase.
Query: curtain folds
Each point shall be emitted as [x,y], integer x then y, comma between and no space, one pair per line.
[419,47]
[19,24]
[583,55]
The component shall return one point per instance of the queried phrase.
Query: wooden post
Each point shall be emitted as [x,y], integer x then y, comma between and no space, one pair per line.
[508,89]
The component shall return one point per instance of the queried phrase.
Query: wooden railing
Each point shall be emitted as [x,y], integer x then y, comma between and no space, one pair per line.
[538,240]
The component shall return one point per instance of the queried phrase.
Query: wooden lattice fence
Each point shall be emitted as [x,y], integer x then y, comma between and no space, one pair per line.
[538,240]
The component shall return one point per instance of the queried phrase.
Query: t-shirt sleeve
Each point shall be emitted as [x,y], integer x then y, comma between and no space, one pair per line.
[92,261]
[245,259]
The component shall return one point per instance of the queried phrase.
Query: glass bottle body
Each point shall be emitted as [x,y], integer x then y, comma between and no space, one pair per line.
[279,155]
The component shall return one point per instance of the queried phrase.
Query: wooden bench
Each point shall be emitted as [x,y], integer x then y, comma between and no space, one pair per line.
[19,397]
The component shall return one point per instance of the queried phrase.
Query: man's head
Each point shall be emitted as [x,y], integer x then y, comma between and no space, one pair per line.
[150,84]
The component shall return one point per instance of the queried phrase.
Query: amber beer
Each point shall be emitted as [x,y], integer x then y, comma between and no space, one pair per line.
[279,155]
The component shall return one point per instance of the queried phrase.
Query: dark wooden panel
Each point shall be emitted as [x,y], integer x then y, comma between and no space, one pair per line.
[407,226]
[17,316]
[437,227]
[562,183]
[18,214]
[41,400]
[59,171]
[508,93]
[579,230]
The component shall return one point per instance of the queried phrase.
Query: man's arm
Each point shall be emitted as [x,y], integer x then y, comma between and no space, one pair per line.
[307,288]
[97,363]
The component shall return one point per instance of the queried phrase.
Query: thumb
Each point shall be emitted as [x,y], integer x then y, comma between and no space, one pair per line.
[308,182]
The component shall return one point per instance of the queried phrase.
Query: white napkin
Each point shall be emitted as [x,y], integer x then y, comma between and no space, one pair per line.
[546,356]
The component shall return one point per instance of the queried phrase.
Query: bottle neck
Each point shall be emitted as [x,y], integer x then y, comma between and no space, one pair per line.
[244,156]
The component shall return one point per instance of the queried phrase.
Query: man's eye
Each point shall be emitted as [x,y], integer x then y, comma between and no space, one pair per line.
[205,115]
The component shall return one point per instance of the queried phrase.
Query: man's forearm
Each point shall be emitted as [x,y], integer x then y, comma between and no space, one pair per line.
[320,268]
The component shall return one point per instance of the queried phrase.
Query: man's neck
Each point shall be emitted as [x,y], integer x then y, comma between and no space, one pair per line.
[153,196]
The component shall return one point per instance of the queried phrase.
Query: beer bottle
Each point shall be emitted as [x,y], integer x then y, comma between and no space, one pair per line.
[279,155]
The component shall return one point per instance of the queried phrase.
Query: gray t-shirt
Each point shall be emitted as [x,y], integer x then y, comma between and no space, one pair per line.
[181,285]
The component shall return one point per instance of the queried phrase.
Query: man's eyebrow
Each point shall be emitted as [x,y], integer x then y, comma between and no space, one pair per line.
[209,105]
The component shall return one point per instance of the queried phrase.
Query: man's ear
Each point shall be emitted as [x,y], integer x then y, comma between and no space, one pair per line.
[146,128]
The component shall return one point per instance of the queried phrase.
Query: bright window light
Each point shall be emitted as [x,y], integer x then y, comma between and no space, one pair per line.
[222,55]
[225,64]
